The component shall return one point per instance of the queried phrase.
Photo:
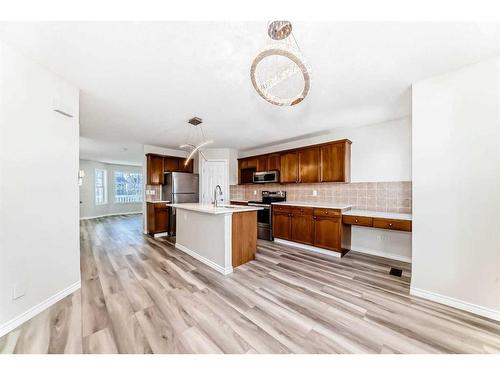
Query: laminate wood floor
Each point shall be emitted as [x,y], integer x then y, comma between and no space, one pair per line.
[141,295]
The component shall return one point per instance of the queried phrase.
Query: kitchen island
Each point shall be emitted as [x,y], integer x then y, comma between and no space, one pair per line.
[221,237]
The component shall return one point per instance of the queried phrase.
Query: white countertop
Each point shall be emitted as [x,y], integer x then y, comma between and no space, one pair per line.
[333,206]
[150,201]
[382,215]
[210,209]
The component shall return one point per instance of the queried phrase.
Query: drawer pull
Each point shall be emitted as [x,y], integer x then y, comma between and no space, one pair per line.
[390,224]
[356,220]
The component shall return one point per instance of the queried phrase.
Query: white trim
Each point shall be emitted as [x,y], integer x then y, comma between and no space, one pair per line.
[457,303]
[162,234]
[382,254]
[117,214]
[202,259]
[308,248]
[37,309]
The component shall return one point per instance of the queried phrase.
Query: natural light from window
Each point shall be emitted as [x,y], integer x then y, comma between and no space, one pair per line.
[101,187]
[128,187]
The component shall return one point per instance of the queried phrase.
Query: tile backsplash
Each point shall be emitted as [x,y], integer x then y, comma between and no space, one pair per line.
[373,196]
[153,193]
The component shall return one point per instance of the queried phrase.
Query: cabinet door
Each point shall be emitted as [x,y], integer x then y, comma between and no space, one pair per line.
[161,220]
[170,164]
[302,228]
[273,162]
[289,171]
[309,165]
[327,233]
[334,162]
[155,169]
[262,163]
[281,225]
[183,167]
[252,163]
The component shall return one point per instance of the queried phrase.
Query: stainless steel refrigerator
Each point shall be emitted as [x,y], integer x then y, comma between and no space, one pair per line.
[180,187]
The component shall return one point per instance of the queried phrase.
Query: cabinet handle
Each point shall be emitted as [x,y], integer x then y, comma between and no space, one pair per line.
[356,220]
[390,224]
[314,217]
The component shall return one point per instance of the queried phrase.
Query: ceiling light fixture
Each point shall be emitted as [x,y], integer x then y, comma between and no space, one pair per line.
[280,69]
[195,139]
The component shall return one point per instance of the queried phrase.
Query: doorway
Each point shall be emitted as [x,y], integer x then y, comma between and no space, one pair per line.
[213,173]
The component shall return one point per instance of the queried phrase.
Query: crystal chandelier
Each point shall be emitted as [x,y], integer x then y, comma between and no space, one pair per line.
[195,139]
[279,73]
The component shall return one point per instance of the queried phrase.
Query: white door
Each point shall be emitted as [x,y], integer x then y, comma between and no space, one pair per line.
[214,172]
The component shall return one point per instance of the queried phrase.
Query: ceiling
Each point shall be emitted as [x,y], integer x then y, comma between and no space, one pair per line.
[141,81]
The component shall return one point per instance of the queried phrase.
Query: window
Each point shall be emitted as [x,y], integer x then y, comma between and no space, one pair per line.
[128,187]
[101,186]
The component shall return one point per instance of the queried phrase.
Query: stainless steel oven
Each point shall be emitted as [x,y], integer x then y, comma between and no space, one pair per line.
[265,216]
[266,177]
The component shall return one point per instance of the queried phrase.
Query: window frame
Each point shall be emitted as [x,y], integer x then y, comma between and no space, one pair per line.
[104,186]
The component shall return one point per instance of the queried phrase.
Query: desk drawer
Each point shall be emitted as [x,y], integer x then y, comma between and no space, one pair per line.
[404,225]
[358,220]
[328,212]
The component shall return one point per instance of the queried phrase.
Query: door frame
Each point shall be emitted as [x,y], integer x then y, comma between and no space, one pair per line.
[225,189]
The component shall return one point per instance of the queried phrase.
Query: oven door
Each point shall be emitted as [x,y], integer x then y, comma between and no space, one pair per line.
[263,221]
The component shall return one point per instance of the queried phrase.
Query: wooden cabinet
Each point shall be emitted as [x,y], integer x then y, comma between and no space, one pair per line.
[282,224]
[328,232]
[157,216]
[302,227]
[273,162]
[309,165]
[154,169]
[262,163]
[289,169]
[183,167]
[318,227]
[170,164]
[325,162]
[335,162]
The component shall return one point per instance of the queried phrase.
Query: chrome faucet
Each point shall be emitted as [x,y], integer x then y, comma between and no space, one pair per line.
[215,195]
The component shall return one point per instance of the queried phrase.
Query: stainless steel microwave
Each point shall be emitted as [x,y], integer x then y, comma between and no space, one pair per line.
[266,177]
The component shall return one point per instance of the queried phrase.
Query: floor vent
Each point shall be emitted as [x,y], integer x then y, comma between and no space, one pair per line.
[396,272]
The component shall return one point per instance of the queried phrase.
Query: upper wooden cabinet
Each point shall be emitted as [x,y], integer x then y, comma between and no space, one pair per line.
[262,163]
[157,165]
[170,164]
[289,171]
[335,161]
[309,165]
[273,162]
[325,162]
[154,169]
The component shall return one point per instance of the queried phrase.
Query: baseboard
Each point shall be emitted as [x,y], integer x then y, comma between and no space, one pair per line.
[308,248]
[202,259]
[37,309]
[382,254]
[457,303]
[106,215]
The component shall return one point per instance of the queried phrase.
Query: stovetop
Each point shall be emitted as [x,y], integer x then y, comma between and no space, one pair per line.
[269,197]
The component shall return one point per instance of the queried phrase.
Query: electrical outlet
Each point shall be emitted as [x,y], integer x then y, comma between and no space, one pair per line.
[315,193]
[255,192]
[18,290]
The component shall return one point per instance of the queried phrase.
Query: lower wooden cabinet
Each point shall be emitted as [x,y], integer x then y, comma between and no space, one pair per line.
[302,228]
[281,225]
[328,232]
[305,225]
[158,216]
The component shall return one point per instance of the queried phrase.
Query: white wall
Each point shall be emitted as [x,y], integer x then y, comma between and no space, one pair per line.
[456,188]
[39,226]
[88,208]
[379,152]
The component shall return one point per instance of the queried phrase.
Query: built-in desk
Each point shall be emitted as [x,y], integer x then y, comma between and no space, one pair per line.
[375,219]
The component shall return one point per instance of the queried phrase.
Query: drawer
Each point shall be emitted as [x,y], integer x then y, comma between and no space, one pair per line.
[404,225]
[357,220]
[280,208]
[302,210]
[328,212]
